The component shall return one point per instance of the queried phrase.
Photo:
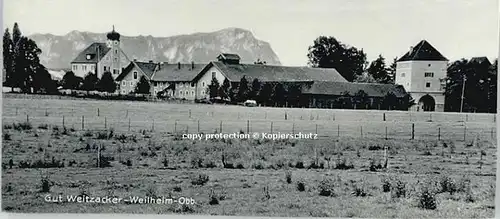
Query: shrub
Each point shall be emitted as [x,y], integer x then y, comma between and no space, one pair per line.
[288,177]
[87,134]
[258,166]
[7,126]
[386,185]
[448,185]
[102,135]
[299,165]
[326,187]
[45,185]
[374,166]
[214,200]
[398,189]
[43,126]
[201,180]
[359,190]
[240,166]
[177,189]
[301,186]
[341,164]
[7,137]
[165,162]
[427,198]
[22,126]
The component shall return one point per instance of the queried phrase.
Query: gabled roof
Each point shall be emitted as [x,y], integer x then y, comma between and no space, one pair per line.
[92,50]
[423,51]
[480,60]
[147,68]
[338,88]
[270,73]
[172,72]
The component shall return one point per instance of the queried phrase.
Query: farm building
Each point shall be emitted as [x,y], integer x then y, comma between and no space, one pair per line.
[130,76]
[422,72]
[101,57]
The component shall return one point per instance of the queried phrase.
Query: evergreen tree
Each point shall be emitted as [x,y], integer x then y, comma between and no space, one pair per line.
[265,94]
[378,70]
[26,62]
[42,81]
[16,34]
[224,89]
[90,82]
[71,81]
[8,47]
[143,86]
[294,95]
[279,95]
[213,88]
[243,89]
[391,71]
[107,83]
[255,89]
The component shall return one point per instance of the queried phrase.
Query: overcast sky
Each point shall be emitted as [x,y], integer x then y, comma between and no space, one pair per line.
[457,28]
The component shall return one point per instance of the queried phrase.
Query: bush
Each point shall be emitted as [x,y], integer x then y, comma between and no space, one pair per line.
[7,137]
[240,166]
[45,185]
[399,189]
[386,185]
[201,180]
[299,165]
[341,164]
[374,166]
[22,126]
[448,185]
[43,126]
[327,187]
[359,190]
[427,198]
[288,177]
[301,186]
[177,189]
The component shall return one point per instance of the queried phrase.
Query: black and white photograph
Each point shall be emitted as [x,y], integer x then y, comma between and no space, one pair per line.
[263,108]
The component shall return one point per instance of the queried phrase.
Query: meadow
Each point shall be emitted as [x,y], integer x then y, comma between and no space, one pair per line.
[355,171]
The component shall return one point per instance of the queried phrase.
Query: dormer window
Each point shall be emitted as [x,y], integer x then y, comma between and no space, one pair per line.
[89,56]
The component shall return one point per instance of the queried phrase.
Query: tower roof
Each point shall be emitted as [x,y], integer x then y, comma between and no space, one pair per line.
[113,35]
[423,51]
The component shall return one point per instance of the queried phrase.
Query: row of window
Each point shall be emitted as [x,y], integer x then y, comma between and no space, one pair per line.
[124,83]
[84,67]
[426,74]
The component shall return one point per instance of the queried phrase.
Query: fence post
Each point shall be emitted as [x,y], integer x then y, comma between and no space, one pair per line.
[439,133]
[430,117]
[190,113]
[16,111]
[248,126]
[105,123]
[338,130]
[361,130]
[175,126]
[492,133]
[386,133]
[220,126]
[198,126]
[466,117]
[153,125]
[465,132]
[293,128]
[265,115]
[129,124]
[384,117]
[46,112]
[98,112]
[412,131]
[63,122]
[316,129]
[99,156]
[126,115]
[271,127]
[286,116]
[333,116]
[83,122]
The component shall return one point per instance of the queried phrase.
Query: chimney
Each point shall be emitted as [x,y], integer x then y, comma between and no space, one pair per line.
[178,65]
[192,65]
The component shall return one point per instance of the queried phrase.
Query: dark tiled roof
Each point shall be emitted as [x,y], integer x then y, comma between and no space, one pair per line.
[423,51]
[269,73]
[92,51]
[147,67]
[338,88]
[229,56]
[171,72]
[480,60]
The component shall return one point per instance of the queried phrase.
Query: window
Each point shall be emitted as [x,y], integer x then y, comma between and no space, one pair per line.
[116,42]
[123,91]
[135,75]
[131,83]
[402,74]
[116,52]
[429,65]
[116,59]
[124,83]
[192,93]
[429,74]
[427,84]
[115,71]
[89,57]
[180,84]
[213,74]
[93,67]
[180,93]
[85,68]
[192,84]
[75,67]
[202,92]
[203,84]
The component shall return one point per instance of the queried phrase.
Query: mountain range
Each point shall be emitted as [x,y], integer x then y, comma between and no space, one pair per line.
[59,51]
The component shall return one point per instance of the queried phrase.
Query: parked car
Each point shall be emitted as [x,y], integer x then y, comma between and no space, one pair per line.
[250,103]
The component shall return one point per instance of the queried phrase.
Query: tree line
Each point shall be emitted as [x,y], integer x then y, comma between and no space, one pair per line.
[480,85]
[282,94]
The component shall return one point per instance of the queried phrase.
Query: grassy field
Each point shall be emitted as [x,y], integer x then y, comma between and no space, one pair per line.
[336,176]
